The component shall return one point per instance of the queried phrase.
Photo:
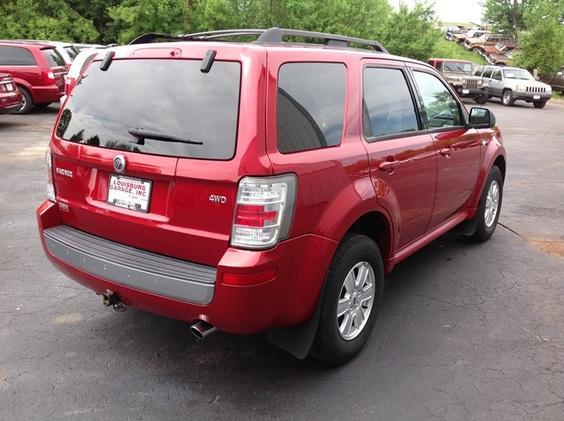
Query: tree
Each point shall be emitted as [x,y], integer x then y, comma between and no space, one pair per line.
[506,16]
[132,18]
[411,32]
[542,46]
[48,19]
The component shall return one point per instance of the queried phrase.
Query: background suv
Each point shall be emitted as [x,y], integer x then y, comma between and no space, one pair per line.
[460,74]
[514,84]
[275,193]
[38,71]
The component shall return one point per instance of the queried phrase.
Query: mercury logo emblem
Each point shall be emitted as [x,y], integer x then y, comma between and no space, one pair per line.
[119,163]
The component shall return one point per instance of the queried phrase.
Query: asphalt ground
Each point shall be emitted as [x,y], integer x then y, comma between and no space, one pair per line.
[466,332]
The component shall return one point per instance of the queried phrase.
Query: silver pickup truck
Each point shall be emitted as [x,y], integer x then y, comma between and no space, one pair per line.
[513,84]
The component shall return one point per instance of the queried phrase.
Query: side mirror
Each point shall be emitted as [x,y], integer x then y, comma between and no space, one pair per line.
[481,118]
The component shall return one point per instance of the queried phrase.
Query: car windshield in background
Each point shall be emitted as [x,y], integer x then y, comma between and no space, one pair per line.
[517,74]
[54,59]
[159,107]
[456,67]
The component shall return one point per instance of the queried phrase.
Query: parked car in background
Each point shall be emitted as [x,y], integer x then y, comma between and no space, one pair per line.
[450,31]
[514,84]
[476,44]
[38,71]
[459,73]
[67,51]
[472,33]
[556,80]
[77,66]
[10,95]
[81,47]
[499,54]
[233,189]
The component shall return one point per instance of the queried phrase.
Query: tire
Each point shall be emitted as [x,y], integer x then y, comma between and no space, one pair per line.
[485,224]
[539,104]
[481,99]
[356,255]
[27,105]
[507,98]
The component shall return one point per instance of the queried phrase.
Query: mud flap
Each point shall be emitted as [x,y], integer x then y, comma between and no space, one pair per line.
[297,340]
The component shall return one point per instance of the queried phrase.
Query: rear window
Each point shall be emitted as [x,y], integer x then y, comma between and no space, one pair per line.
[16,56]
[53,58]
[311,101]
[159,107]
[71,52]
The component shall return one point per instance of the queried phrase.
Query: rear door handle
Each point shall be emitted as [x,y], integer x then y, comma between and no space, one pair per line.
[446,152]
[388,166]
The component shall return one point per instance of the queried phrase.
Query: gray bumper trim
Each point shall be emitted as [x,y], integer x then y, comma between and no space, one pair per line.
[162,275]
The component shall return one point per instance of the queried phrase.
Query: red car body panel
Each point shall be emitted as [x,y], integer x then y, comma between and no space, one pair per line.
[10,96]
[35,78]
[425,195]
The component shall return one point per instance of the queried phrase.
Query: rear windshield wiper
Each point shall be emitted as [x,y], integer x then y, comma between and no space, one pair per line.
[142,134]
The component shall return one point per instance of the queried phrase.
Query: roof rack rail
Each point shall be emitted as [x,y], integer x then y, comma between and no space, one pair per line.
[266,36]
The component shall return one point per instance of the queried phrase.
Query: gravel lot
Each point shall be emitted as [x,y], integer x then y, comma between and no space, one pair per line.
[467,331]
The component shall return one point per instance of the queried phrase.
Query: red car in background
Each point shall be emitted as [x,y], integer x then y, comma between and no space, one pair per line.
[10,95]
[37,69]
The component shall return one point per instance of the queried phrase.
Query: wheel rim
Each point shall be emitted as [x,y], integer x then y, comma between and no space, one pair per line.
[492,203]
[506,98]
[355,300]
[24,103]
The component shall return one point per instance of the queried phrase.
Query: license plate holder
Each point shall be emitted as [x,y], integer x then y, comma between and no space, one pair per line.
[129,192]
[466,91]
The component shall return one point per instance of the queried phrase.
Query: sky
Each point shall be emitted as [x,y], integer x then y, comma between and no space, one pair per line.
[452,10]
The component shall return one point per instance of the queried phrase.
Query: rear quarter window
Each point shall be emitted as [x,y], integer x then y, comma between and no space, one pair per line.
[53,58]
[311,102]
[16,56]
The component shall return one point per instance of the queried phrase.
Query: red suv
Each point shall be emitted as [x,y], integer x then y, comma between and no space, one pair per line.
[38,70]
[267,186]
[10,96]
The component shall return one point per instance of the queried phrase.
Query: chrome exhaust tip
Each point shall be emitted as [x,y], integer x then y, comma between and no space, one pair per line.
[201,329]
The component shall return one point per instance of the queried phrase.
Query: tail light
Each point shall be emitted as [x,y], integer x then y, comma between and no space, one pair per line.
[69,84]
[264,210]
[49,77]
[50,182]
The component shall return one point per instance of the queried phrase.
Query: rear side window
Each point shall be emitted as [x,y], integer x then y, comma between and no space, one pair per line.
[388,104]
[53,58]
[16,56]
[311,102]
[159,107]
[441,108]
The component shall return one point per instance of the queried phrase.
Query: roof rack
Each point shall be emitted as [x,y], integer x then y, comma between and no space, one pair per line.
[265,36]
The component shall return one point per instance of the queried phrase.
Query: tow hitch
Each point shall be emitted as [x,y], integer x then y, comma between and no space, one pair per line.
[110,298]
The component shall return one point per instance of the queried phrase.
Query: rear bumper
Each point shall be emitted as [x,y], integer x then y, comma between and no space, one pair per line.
[10,102]
[248,292]
[45,94]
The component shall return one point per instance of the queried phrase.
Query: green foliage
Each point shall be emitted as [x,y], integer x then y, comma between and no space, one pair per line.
[411,32]
[131,17]
[506,16]
[48,19]
[449,49]
[542,46]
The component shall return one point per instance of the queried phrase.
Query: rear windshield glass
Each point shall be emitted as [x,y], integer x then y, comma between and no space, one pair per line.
[71,52]
[54,59]
[457,67]
[160,107]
